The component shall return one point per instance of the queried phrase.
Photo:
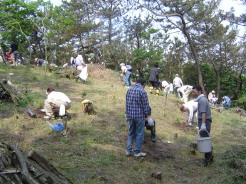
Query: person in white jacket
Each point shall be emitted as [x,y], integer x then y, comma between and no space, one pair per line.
[190,107]
[55,101]
[184,92]
[81,66]
[79,62]
[165,86]
[177,83]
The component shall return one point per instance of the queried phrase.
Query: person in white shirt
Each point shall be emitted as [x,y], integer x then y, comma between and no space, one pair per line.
[123,68]
[184,92]
[82,67]
[190,107]
[79,63]
[212,98]
[177,83]
[165,86]
[55,101]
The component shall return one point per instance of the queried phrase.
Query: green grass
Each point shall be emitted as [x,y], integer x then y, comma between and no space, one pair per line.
[93,151]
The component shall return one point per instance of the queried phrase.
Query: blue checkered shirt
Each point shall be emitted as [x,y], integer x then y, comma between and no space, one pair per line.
[137,104]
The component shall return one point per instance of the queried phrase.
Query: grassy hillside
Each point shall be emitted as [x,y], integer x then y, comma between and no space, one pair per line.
[94,149]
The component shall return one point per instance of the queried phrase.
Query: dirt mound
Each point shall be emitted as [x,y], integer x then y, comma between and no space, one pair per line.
[159,150]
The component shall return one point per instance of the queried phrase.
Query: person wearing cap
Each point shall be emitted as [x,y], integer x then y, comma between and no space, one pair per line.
[137,110]
[212,97]
[177,83]
[191,108]
[154,79]
[54,102]
[204,119]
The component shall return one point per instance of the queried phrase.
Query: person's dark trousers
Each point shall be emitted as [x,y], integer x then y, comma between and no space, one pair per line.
[208,128]
[175,91]
[154,84]
[15,53]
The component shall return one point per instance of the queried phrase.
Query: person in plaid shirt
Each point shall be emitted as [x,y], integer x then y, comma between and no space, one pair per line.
[137,109]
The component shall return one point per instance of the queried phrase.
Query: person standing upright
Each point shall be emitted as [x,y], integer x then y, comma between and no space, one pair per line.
[137,110]
[14,51]
[128,78]
[154,78]
[204,119]
[79,62]
[177,83]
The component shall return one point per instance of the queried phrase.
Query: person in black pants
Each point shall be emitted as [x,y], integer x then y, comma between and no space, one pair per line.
[204,119]
[14,51]
[154,78]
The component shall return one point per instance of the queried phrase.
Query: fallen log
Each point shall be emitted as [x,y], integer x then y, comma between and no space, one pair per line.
[8,90]
[31,169]
[42,162]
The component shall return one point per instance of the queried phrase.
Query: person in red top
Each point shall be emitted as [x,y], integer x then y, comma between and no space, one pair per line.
[8,57]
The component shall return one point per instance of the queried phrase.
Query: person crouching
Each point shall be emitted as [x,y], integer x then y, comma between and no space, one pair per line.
[55,101]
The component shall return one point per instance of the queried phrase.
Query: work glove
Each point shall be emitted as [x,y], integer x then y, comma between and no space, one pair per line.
[203,126]
[150,121]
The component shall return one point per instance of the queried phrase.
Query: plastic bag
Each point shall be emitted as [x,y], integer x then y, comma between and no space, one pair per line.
[84,74]
[150,121]
[62,110]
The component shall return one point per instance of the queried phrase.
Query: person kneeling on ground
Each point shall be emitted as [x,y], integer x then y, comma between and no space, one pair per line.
[150,125]
[40,62]
[191,108]
[226,102]
[55,101]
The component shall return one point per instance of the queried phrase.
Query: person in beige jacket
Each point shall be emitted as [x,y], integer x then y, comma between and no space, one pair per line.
[55,101]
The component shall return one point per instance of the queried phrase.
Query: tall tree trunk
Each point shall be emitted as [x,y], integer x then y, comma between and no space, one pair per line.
[239,86]
[218,84]
[193,51]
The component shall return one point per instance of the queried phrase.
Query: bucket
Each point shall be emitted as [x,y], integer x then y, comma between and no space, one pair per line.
[31,113]
[204,144]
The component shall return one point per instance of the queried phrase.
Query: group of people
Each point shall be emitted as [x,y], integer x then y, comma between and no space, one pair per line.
[11,56]
[138,115]
[138,110]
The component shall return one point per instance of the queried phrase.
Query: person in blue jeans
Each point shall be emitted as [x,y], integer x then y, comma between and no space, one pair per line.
[128,77]
[137,109]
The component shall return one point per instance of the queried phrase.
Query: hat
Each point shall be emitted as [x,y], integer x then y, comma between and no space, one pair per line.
[129,67]
[176,75]
[122,64]
[213,91]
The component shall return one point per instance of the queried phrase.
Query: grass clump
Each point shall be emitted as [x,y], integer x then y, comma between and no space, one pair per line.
[235,160]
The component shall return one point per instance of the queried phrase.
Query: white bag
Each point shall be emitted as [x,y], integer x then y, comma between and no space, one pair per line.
[62,110]
[150,121]
[84,74]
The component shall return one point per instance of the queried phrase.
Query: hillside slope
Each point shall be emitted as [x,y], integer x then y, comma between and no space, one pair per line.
[94,149]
